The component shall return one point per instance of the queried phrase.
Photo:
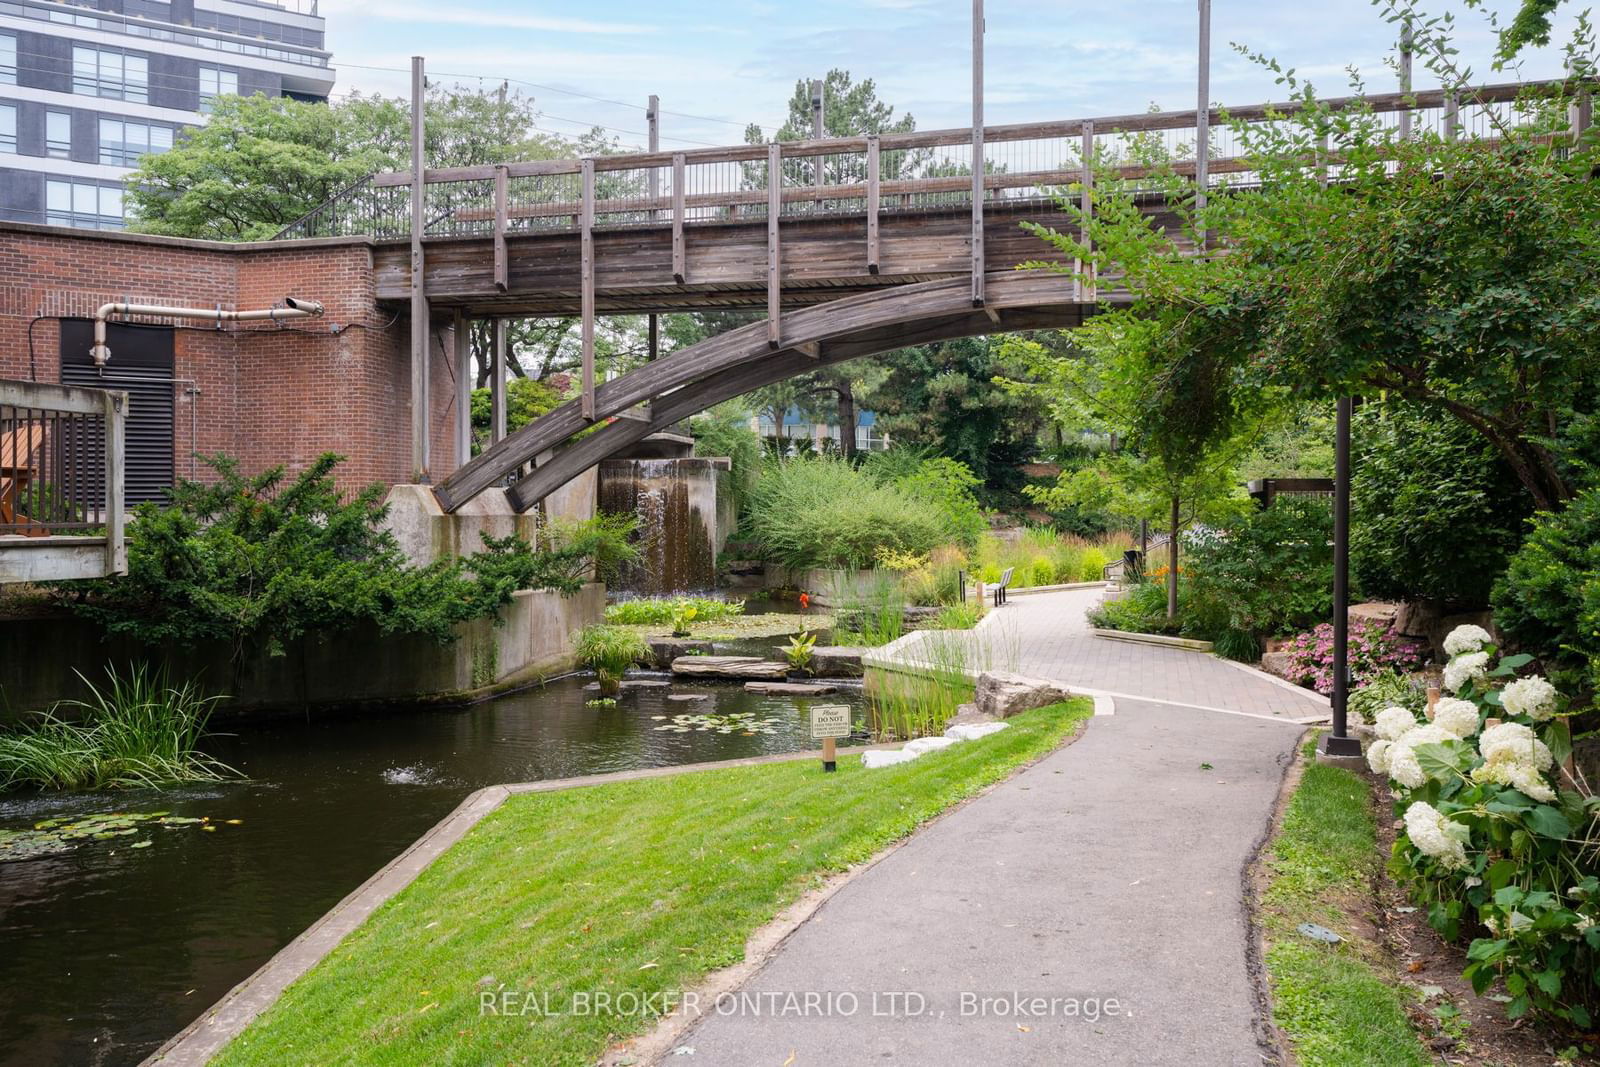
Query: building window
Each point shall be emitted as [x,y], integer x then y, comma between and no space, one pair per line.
[147,9]
[102,72]
[8,59]
[122,142]
[8,128]
[57,134]
[96,207]
[215,82]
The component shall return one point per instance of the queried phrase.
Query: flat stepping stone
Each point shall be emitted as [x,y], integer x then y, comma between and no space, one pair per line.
[793,689]
[663,650]
[730,667]
[646,683]
[688,696]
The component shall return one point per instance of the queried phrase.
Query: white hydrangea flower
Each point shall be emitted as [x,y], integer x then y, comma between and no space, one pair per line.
[1404,768]
[1456,717]
[1378,756]
[1435,835]
[1392,722]
[1513,742]
[1531,696]
[1519,776]
[1466,638]
[1467,667]
[1403,765]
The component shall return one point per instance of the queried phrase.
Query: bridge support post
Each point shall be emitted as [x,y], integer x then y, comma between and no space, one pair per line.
[461,339]
[679,269]
[586,284]
[1202,118]
[977,153]
[873,164]
[653,126]
[774,209]
[1405,77]
[1086,290]
[502,185]
[497,383]
[420,347]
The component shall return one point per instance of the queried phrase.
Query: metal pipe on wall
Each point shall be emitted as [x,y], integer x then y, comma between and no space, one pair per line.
[101,352]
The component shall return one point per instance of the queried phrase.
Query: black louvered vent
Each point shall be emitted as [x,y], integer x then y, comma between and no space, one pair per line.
[141,364]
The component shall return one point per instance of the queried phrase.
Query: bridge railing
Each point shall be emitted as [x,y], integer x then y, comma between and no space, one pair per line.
[61,482]
[919,171]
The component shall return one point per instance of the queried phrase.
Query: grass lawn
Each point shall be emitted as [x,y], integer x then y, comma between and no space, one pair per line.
[1331,1000]
[637,887]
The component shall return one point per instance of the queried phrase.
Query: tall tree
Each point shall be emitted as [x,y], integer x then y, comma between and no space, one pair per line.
[260,163]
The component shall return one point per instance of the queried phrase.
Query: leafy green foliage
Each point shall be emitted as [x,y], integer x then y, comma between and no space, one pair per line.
[266,559]
[1387,688]
[1434,510]
[727,434]
[799,650]
[1273,567]
[141,730]
[260,163]
[526,400]
[822,512]
[1549,598]
[946,483]
[652,610]
[609,651]
[944,398]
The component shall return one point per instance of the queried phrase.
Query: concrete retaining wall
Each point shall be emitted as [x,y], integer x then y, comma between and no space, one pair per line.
[44,656]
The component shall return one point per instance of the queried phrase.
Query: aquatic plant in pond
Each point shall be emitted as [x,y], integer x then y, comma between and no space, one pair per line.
[52,836]
[609,651]
[140,730]
[741,722]
[647,611]
[799,651]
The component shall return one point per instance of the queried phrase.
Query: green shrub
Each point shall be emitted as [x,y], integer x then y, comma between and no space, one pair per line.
[946,483]
[822,512]
[652,611]
[1388,688]
[140,731]
[871,609]
[1272,570]
[266,559]
[1434,511]
[609,651]
[717,435]
[1549,598]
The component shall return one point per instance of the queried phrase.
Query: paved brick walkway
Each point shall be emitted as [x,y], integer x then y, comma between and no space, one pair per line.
[1111,869]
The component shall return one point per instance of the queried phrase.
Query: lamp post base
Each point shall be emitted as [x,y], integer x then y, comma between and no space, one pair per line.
[1340,752]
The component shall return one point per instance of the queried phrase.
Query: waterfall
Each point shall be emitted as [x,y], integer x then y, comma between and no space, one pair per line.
[675,501]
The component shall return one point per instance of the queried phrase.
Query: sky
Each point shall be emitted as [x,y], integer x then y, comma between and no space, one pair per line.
[718,66]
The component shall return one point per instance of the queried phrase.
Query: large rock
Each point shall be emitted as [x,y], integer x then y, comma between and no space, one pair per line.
[837,661]
[1278,663]
[663,650]
[1003,695]
[730,667]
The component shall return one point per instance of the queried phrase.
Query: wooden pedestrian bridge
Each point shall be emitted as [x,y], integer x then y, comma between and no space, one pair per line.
[851,245]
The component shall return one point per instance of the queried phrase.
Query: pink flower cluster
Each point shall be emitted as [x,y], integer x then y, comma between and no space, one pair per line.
[1374,646]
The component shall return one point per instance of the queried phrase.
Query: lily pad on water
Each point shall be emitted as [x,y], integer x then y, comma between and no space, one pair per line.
[51,836]
[743,722]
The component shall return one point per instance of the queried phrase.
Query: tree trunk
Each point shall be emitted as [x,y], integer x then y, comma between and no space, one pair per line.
[1172,565]
[847,421]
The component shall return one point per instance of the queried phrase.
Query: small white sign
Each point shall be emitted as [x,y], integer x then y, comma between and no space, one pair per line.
[830,720]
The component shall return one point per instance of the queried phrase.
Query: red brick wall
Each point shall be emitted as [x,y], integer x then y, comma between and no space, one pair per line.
[267,394]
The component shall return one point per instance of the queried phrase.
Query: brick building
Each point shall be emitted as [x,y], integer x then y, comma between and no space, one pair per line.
[262,393]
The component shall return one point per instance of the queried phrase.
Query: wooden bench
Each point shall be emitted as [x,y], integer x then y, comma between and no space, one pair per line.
[1001,586]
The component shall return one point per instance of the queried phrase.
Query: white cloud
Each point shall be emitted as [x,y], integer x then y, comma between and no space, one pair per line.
[483,19]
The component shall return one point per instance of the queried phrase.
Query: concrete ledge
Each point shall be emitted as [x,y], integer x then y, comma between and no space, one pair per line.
[1031,590]
[197,1043]
[1188,644]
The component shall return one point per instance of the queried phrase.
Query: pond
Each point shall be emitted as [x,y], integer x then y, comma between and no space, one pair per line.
[109,949]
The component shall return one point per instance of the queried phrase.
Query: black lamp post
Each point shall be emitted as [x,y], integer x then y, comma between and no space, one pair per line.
[1338,743]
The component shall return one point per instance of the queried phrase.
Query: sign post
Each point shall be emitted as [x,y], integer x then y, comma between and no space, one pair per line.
[829,721]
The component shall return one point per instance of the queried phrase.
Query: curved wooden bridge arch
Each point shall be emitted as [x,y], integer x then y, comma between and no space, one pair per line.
[852,245]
